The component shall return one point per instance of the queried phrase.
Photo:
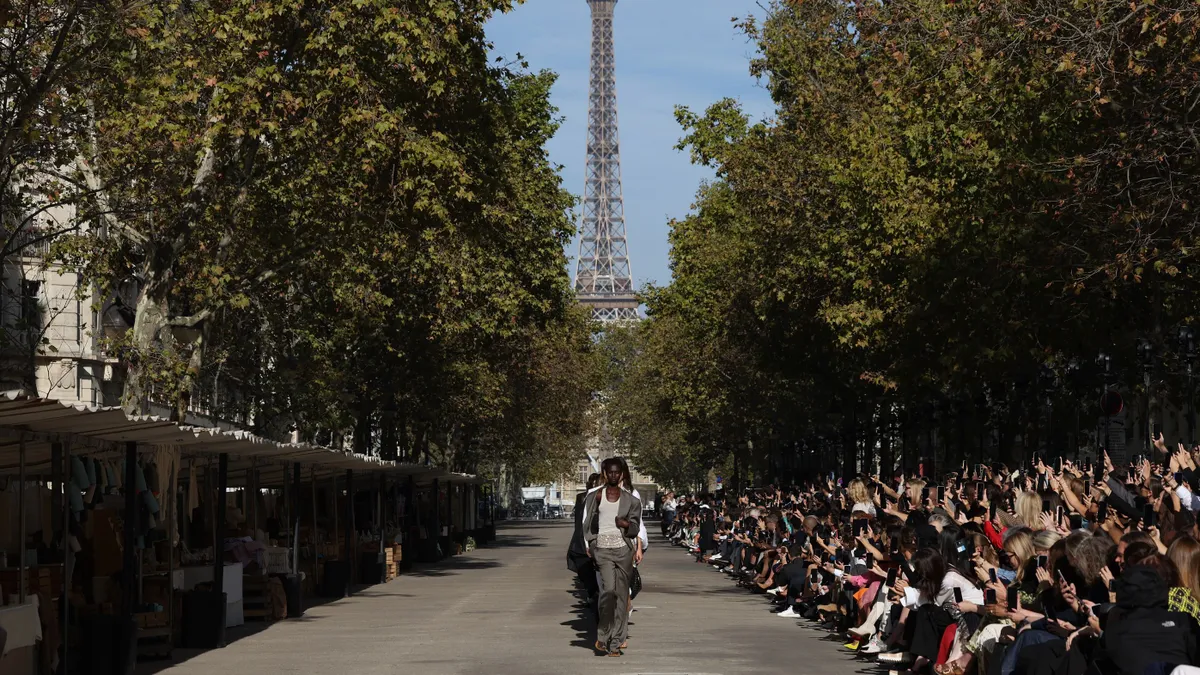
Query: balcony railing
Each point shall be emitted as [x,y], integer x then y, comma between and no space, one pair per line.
[28,242]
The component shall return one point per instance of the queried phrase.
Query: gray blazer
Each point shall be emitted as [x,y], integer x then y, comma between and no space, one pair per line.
[629,507]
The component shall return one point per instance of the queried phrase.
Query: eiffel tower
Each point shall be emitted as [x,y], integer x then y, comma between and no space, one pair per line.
[603,280]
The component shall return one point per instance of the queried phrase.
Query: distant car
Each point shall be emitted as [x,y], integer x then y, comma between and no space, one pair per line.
[554,512]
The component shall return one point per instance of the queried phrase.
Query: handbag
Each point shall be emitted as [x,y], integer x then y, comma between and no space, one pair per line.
[635,583]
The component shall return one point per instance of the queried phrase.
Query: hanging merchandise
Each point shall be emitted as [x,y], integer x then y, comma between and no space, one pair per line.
[79,485]
[193,496]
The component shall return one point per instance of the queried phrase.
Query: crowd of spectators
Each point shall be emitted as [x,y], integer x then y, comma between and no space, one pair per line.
[1045,569]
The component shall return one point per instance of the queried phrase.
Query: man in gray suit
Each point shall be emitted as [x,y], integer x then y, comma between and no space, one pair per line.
[611,522]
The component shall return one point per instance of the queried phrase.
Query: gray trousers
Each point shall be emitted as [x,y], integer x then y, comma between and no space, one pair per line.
[615,566]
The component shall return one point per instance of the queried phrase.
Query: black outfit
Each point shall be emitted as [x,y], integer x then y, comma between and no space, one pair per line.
[1140,631]
[578,560]
[708,528]
[926,626]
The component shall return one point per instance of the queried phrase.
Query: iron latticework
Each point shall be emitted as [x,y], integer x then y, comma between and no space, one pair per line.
[603,279]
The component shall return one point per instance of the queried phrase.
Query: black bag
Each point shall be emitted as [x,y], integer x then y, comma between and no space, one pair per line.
[635,583]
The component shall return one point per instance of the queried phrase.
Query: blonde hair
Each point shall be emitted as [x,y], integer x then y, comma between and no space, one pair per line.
[915,485]
[1019,542]
[1185,553]
[1029,509]
[1045,540]
[859,494]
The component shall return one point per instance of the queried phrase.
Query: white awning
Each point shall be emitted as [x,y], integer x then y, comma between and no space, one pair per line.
[86,429]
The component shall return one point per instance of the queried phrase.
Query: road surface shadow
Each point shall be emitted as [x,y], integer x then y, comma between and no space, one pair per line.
[451,567]
[584,623]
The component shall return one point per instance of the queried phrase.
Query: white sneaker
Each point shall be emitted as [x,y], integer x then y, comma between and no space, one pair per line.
[873,647]
[789,612]
[715,556]
[775,591]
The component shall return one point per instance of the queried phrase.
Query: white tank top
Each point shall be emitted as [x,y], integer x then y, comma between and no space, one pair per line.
[608,535]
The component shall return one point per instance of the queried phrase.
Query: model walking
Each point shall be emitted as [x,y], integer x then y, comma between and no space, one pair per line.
[611,527]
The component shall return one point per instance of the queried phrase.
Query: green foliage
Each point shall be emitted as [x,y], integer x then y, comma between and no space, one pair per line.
[951,199]
[338,218]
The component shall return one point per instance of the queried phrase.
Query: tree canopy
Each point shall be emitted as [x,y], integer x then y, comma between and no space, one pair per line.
[953,210]
[337,218]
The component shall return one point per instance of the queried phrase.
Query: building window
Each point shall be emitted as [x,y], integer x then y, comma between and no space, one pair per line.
[30,313]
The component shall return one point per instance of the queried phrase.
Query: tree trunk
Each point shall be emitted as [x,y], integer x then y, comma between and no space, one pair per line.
[850,445]
[887,464]
[148,335]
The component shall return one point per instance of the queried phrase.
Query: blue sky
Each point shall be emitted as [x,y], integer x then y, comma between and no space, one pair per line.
[669,52]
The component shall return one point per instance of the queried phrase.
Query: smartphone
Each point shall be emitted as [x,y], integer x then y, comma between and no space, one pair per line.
[992,511]
[1048,606]
[992,578]
[957,594]
[1058,515]
[924,494]
[869,560]
[1148,515]
[941,493]
[1059,464]
[979,492]
[989,596]
[1076,521]
[1179,477]
[1014,596]
[1043,561]
[895,545]
[892,574]
[1098,472]
[1045,506]
[860,526]
[1102,511]
[815,577]
[1087,487]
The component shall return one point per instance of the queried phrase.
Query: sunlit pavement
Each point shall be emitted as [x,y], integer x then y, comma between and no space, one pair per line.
[510,609]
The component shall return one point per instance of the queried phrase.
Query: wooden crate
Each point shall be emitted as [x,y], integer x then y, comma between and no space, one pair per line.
[147,620]
[255,603]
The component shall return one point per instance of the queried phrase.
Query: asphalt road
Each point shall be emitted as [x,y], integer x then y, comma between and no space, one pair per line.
[510,609]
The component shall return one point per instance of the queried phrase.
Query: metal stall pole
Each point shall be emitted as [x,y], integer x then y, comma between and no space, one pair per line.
[56,497]
[129,572]
[407,550]
[252,495]
[312,481]
[295,606]
[349,533]
[436,530]
[219,538]
[21,515]
[379,505]
[62,464]
[295,507]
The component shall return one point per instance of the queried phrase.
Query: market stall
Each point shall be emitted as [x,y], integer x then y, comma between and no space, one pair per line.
[160,534]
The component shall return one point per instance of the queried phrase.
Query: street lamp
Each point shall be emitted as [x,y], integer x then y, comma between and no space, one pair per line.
[1105,363]
[1047,380]
[1187,343]
[1145,352]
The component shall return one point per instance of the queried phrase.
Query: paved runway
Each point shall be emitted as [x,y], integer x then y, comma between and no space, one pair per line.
[509,609]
